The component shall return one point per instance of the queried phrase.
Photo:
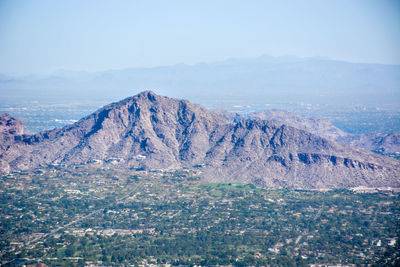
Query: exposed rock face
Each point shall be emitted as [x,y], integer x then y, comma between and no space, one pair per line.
[387,144]
[316,126]
[383,143]
[11,131]
[152,131]
[10,125]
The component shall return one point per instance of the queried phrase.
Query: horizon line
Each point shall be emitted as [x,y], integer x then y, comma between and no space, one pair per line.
[55,72]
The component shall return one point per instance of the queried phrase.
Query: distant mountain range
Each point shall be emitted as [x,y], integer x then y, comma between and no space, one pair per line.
[312,80]
[149,131]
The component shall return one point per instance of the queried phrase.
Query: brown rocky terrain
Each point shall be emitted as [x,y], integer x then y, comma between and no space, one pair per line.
[387,144]
[155,132]
[11,131]
[316,126]
[383,143]
[9,128]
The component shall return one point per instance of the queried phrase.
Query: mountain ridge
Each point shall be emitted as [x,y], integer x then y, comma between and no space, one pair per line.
[386,144]
[149,131]
[309,80]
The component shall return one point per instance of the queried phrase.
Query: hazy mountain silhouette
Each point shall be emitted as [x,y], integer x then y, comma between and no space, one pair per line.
[314,80]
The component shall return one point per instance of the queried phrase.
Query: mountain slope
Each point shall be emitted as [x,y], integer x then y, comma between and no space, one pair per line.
[167,130]
[317,126]
[155,132]
[386,144]
[10,128]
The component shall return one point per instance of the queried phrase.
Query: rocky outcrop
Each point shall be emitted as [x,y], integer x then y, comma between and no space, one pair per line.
[386,144]
[155,132]
[316,126]
[10,126]
[11,131]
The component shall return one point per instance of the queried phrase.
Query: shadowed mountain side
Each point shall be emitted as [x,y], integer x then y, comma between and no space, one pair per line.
[10,130]
[155,132]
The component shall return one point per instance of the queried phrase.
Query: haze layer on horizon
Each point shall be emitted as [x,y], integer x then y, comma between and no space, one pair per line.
[43,36]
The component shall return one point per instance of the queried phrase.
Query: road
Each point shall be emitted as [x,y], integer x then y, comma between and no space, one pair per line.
[315,219]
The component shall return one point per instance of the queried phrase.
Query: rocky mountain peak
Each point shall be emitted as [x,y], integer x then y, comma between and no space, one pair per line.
[148,94]
[10,125]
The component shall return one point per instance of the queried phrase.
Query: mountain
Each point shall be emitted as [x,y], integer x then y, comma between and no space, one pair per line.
[148,131]
[317,126]
[9,128]
[386,144]
[254,80]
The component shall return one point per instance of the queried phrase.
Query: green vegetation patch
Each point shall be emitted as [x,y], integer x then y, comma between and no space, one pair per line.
[80,216]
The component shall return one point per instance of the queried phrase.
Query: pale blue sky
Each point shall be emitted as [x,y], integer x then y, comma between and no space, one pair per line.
[44,36]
